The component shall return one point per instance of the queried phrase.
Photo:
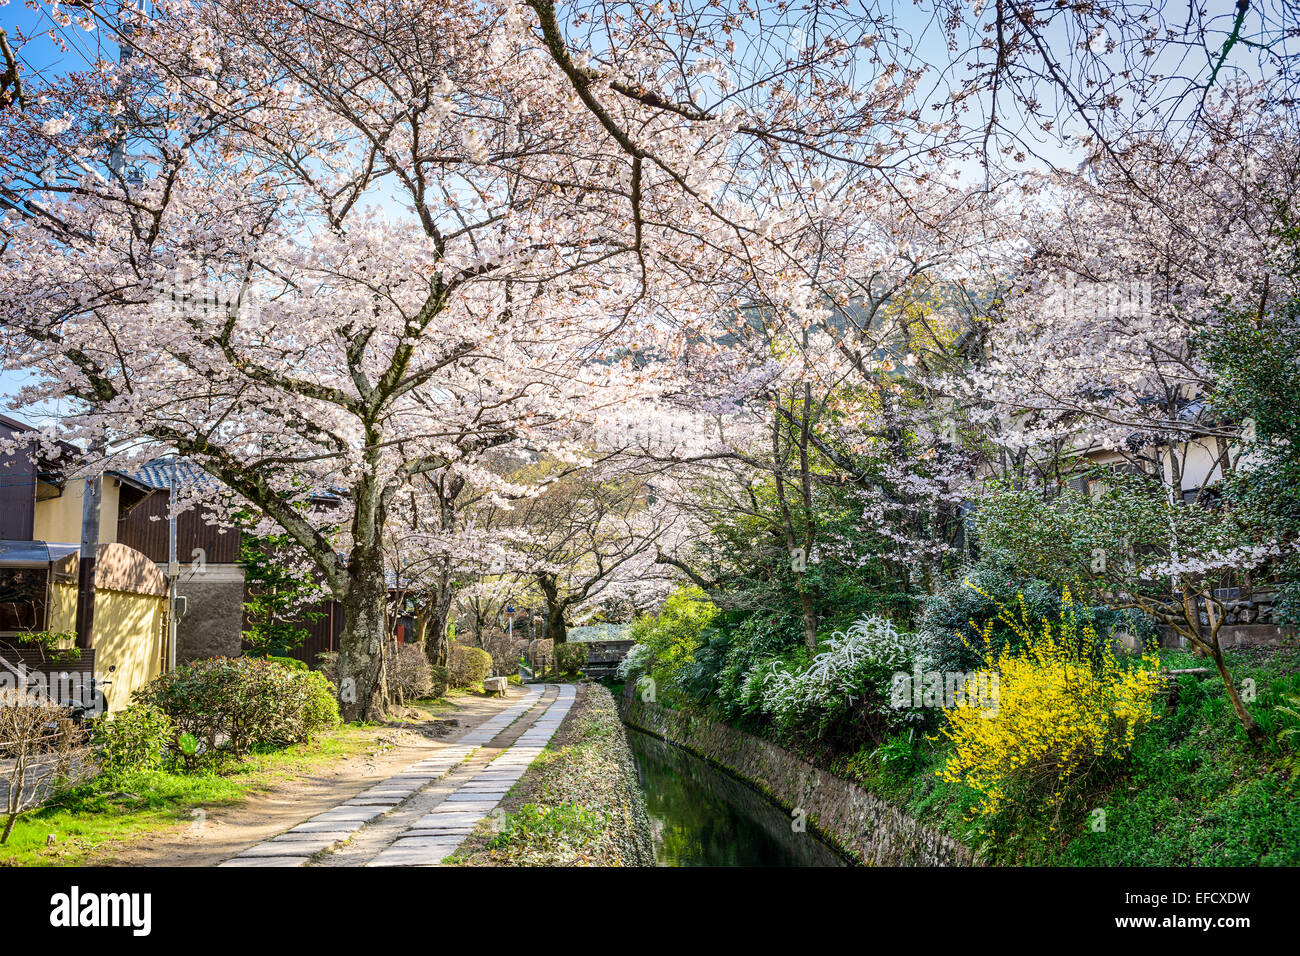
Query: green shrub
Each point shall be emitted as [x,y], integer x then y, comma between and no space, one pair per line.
[290,662]
[901,754]
[571,657]
[541,826]
[319,707]
[440,680]
[235,704]
[668,642]
[844,694]
[327,662]
[952,619]
[467,666]
[133,740]
[757,638]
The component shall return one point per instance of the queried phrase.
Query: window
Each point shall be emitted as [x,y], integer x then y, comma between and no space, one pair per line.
[24,600]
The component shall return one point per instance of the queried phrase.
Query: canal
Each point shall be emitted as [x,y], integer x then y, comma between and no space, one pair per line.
[701,816]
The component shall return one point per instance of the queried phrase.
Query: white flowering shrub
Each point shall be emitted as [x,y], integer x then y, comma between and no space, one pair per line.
[635,663]
[850,679]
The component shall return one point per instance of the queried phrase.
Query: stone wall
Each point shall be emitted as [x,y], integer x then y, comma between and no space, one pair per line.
[860,824]
[214,617]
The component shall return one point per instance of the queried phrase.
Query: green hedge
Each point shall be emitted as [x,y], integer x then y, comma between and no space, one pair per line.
[570,657]
[235,704]
[467,666]
[135,739]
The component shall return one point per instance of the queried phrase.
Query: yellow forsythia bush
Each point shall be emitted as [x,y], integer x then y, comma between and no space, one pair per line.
[1057,713]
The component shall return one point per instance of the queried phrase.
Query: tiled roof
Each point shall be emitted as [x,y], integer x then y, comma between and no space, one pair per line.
[167,472]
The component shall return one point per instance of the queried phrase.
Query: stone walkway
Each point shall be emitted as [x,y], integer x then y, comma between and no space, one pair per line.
[421,815]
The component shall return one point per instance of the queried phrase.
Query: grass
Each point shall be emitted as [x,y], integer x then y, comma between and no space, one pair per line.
[1196,794]
[534,826]
[103,811]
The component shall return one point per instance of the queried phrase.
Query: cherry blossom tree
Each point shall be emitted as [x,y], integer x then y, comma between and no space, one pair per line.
[1097,344]
[588,538]
[1098,355]
[347,248]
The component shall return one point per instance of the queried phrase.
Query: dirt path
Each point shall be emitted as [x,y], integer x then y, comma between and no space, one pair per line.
[224,831]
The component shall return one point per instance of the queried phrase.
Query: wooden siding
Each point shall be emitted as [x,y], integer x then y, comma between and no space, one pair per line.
[144,528]
[323,633]
[17,492]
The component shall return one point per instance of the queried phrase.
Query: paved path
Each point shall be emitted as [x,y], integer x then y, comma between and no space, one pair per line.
[420,816]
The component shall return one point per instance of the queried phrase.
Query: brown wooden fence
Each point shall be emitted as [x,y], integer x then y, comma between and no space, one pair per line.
[144,528]
[62,676]
[323,633]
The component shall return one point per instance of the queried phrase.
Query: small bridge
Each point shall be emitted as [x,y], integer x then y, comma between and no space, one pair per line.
[607,645]
[603,657]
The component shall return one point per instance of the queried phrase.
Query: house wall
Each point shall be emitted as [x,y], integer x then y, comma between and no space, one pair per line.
[59,519]
[214,615]
[130,636]
[1199,464]
[145,529]
[17,491]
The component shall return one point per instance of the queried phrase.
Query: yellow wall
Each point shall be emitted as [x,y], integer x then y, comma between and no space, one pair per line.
[130,631]
[59,519]
[63,608]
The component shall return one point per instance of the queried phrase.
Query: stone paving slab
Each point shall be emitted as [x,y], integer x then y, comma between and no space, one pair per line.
[438,821]
[342,814]
[455,818]
[273,849]
[243,860]
[327,826]
[451,841]
[435,833]
[475,796]
[401,855]
[438,833]
[373,801]
[473,806]
[290,842]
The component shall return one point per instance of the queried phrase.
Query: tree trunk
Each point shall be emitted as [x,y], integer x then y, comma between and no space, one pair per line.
[809,609]
[556,629]
[1239,708]
[436,612]
[1210,646]
[363,691]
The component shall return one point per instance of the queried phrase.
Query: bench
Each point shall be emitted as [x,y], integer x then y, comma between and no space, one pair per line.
[494,685]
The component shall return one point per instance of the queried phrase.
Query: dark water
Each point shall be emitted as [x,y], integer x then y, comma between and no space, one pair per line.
[703,817]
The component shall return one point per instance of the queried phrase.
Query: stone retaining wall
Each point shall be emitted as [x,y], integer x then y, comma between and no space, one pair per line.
[863,826]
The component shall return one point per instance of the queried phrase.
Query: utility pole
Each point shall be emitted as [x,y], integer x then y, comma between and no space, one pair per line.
[173,571]
[92,496]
